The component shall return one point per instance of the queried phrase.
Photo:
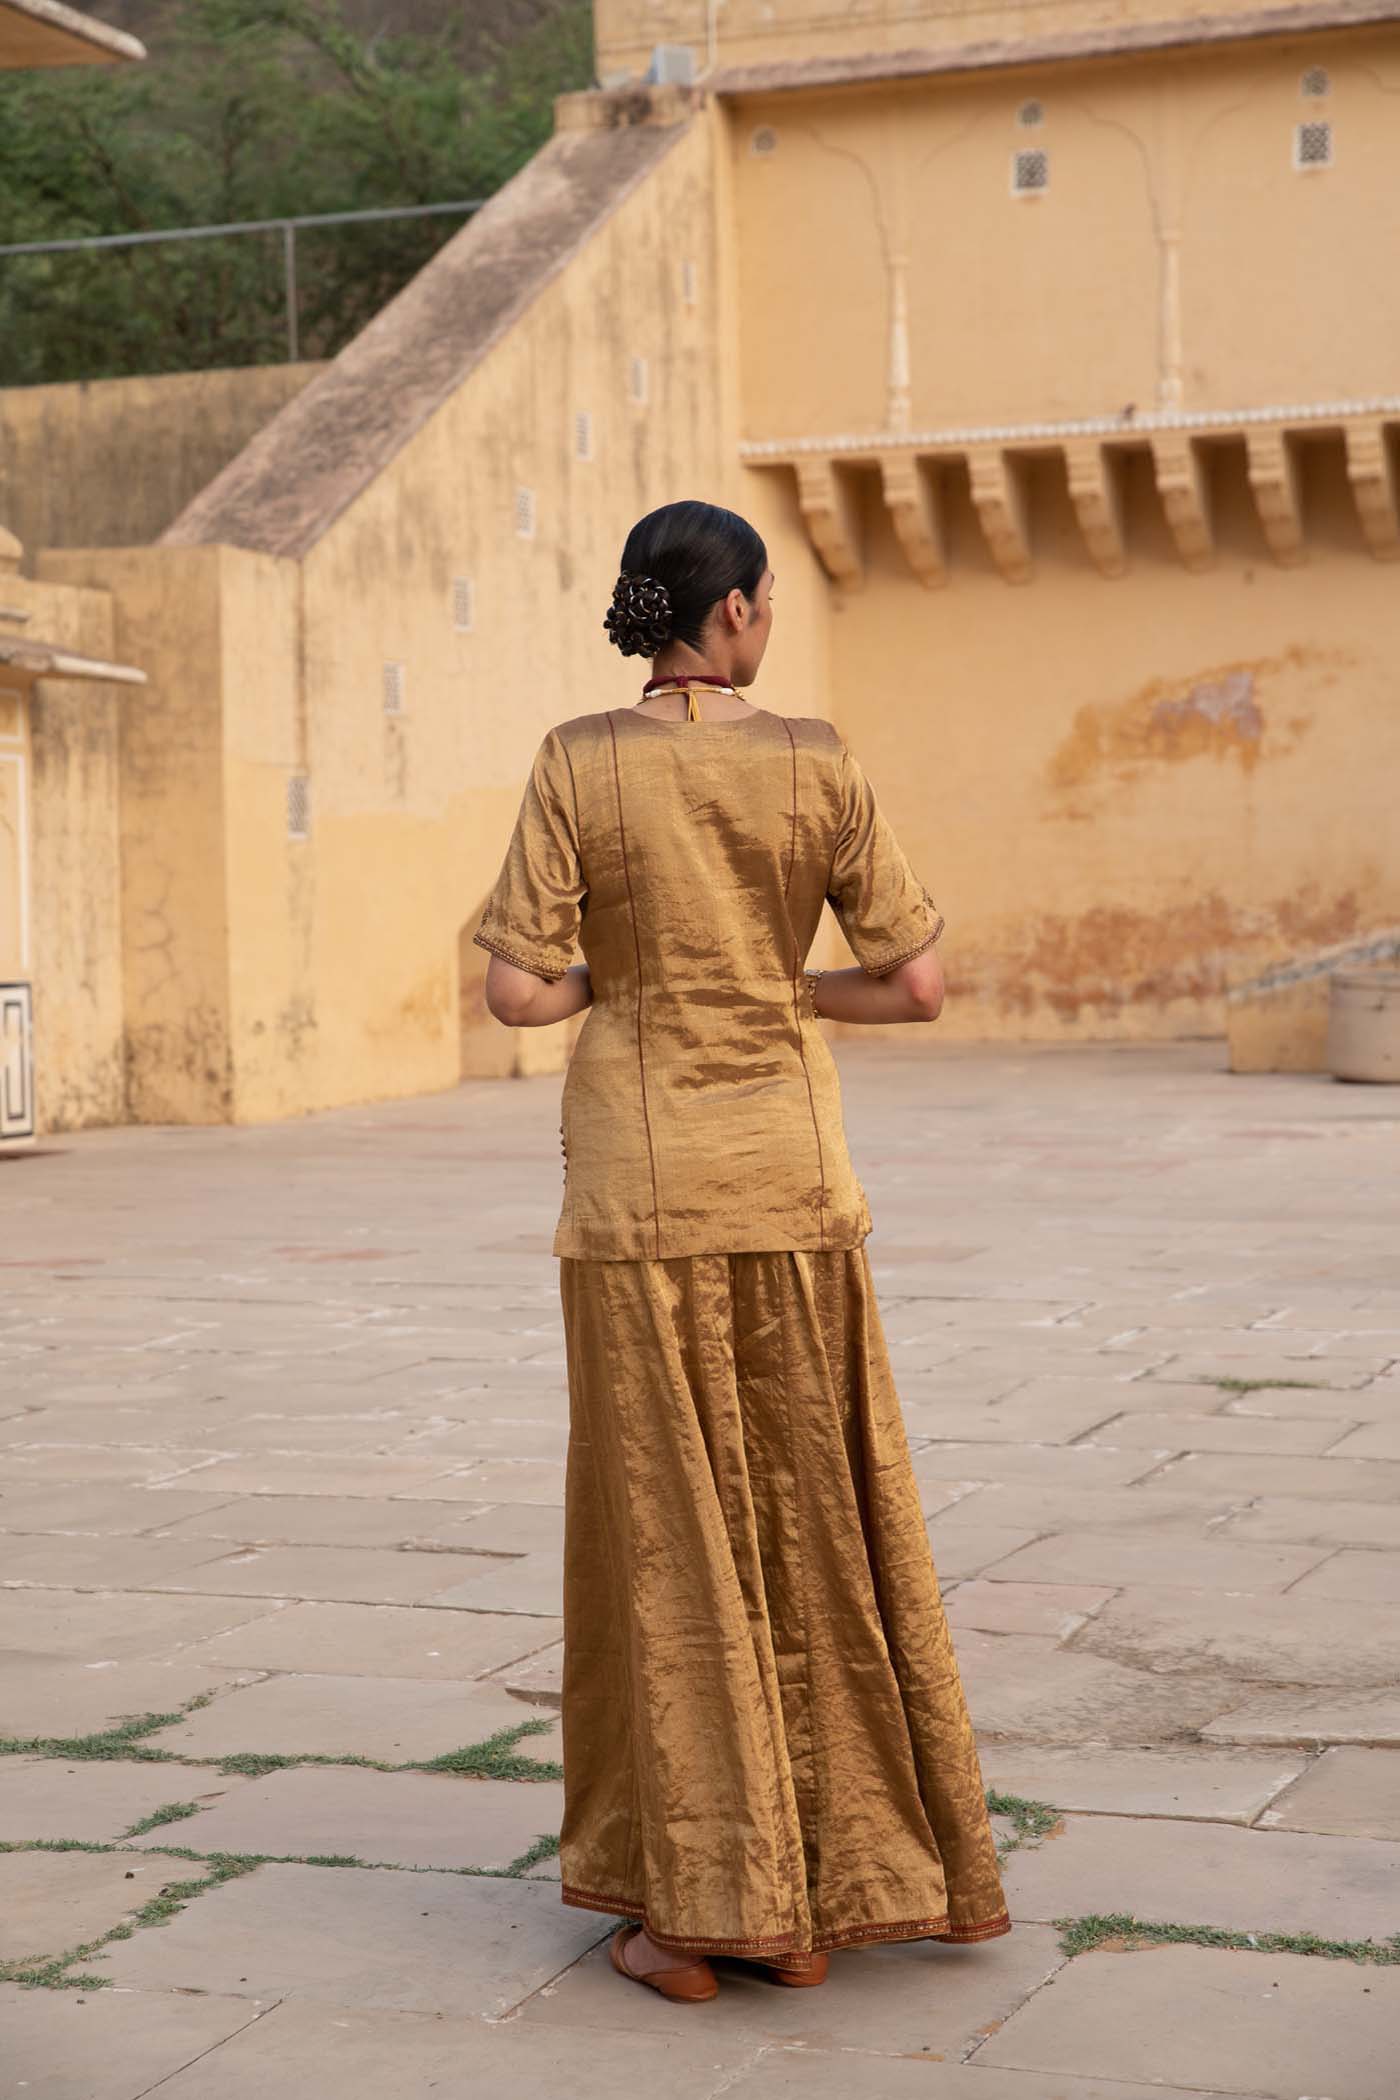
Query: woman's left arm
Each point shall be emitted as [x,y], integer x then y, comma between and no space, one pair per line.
[521,1000]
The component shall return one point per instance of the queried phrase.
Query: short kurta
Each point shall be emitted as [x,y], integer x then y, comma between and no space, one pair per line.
[691,860]
[767,1749]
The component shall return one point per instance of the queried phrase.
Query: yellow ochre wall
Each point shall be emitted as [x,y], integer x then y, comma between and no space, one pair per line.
[109,462]
[59,769]
[1123,790]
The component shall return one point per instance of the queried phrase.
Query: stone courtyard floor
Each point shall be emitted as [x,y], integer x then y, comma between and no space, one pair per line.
[281,1476]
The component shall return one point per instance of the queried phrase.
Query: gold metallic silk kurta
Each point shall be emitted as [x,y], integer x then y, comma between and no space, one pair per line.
[766,1744]
[701,1109]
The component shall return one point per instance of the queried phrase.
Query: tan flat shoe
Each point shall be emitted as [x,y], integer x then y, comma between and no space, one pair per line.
[687,1985]
[799,1979]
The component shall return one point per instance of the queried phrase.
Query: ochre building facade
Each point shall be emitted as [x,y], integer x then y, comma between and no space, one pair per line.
[1055,350]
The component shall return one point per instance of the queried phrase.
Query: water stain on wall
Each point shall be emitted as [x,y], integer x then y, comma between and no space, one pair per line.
[1217,713]
[1111,957]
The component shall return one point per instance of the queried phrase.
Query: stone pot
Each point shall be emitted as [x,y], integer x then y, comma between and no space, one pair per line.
[1363,1025]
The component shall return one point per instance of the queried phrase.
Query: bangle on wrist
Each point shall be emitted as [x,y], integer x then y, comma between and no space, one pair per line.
[809,979]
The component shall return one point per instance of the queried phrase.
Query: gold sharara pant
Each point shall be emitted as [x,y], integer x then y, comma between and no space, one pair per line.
[766,1743]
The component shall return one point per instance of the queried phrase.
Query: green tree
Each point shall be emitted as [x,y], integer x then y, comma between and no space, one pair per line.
[251,109]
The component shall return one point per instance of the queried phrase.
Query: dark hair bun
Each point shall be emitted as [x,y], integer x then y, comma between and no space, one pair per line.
[639,620]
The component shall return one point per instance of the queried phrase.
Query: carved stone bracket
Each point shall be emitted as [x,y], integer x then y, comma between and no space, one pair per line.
[911,492]
[835,476]
[1096,491]
[1185,494]
[1273,476]
[824,497]
[999,496]
[1371,471]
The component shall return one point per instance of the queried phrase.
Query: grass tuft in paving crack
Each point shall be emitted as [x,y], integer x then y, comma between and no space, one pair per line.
[1265,1385]
[1124,1933]
[494,1758]
[491,1759]
[169,1812]
[1031,1820]
[55,1972]
[123,1740]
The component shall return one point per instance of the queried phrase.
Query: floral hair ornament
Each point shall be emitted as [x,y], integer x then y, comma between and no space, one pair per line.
[639,620]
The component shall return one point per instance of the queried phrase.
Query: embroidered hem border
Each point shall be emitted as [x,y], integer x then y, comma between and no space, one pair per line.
[783,1943]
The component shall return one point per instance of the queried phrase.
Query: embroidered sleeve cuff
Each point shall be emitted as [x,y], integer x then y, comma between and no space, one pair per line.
[512,950]
[926,939]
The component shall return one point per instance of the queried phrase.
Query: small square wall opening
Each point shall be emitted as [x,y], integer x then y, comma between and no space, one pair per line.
[1030,172]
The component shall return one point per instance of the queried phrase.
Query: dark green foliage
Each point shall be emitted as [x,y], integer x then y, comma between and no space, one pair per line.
[251,109]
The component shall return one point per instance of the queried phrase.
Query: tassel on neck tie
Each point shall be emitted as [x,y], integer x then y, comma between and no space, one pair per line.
[692,709]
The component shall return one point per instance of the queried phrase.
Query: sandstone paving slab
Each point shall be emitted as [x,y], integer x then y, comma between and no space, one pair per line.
[534,1584]
[100,1509]
[51,1902]
[1311,1718]
[1357,1479]
[44,1465]
[967,1548]
[373,1431]
[352,1575]
[1151,1561]
[1050,1352]
[536,1680]
[1374,1401]
[836,2075]
[329,1520]
[512,1527]
[108,1625]
[369,1938]
[50,1560]
[1218,1432]
[407,1819]
[1043,1420]
[1054,1609]
[116,1422]
[1286,1344]
[1323,1520]
[531,1480]
[107,2045]
[911,1998]
[331,2052]
[1027,1688]
[1277,1366]
[489,1436]
[1130,1395]
[92,1799]
[1208,1785]
[394,1719]
[1292,1639]
[1047,1508]
[1056,1465]
[291,1473]
[1347,1792]
[1189,1873]
[1362,1577]
[374,1640]
[1213,2019]
[66,1697]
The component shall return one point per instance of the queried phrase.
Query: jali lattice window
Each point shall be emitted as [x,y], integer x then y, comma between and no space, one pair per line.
[1030,172]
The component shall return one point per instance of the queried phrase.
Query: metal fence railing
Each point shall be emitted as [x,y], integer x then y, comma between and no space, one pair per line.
[287,228]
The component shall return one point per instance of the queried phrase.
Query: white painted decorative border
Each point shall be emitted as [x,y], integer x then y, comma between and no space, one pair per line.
[957,437]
